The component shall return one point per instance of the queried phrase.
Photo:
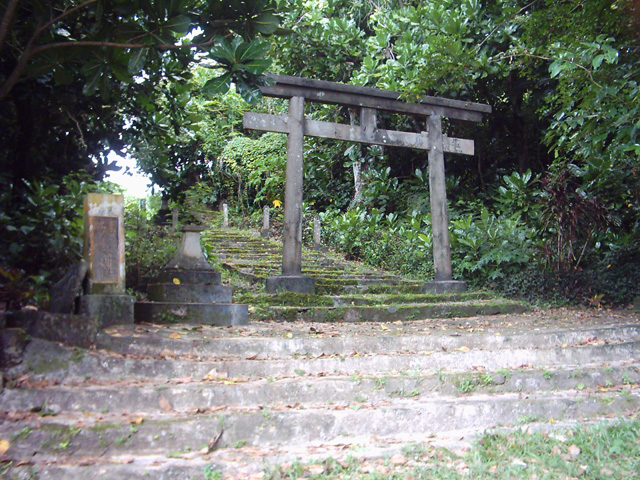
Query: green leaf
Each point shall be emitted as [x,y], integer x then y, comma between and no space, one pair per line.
[137,60]
[179,24]
[266,23]
[597,61]
[250,93]
[555,68]
[219,84]
[92,84]
[257,66]
[223,50]
[254,49]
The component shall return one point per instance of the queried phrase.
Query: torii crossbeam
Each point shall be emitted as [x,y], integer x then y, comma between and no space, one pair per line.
[369,101]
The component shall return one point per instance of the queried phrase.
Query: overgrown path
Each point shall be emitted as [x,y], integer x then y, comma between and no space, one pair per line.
[370,398]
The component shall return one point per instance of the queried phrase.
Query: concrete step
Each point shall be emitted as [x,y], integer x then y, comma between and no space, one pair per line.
[217,390]
[147,434]
[149,399]
[266,340]
[76,365]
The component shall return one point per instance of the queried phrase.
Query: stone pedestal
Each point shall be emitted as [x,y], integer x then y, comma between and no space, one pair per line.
[105,297]
[445,286]
[108,309]
[189,290]
[290,283]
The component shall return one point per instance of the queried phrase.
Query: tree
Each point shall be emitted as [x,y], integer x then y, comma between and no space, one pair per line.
[80,78]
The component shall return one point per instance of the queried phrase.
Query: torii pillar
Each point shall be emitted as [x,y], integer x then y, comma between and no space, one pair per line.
[292,279]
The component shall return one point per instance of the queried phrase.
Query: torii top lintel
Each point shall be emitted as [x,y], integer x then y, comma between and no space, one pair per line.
[322,91]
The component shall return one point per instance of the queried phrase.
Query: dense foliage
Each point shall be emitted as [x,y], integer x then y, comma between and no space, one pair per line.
[79,79]
[551,200]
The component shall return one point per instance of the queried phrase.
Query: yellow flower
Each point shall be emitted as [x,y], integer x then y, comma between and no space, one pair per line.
[277,203]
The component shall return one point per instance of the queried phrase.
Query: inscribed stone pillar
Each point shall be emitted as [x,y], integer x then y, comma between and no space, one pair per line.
[104,242]
[443,279]
[105,297]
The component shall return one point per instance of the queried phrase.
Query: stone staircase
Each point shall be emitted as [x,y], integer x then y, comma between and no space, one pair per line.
[185,401]
[190,401]
[346,291]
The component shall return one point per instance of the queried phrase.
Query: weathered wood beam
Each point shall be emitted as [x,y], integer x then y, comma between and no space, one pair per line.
[365,133]
[321,91]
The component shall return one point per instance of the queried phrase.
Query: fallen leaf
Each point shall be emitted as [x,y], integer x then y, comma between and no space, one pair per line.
[137,421]
[167,353]
[398,459]
[463,349]
[316,469]
[518,463]
[176,281]
[165,405]
[212,443]
[174,335]
[384,327]
[574,450]
[4,446]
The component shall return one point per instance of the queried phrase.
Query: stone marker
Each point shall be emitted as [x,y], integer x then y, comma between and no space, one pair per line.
[174,219]
[225,215]
[317,232]
[105,296]
[265,221]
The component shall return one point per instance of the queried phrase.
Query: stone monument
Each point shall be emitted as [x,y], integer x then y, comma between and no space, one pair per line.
[105,297]
[189,290]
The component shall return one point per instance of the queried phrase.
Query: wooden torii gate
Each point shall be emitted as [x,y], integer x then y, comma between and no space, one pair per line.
[369,101]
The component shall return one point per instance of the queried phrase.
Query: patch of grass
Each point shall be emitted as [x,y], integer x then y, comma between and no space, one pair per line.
[608,450]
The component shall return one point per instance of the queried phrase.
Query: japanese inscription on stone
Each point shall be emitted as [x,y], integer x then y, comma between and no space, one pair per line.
[104,242]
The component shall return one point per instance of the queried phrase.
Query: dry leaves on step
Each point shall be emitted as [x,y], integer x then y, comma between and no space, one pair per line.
[165,405]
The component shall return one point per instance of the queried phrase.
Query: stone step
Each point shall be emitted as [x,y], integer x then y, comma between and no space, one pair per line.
[147,434]
[197,313]
[76,365]
[216,390]
[390,313]
[268,341]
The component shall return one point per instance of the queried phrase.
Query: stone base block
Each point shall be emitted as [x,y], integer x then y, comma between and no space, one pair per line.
[221,314]
[189,293]
[76,330]
[210,277]
[108,309]
[290,283]
[445,286]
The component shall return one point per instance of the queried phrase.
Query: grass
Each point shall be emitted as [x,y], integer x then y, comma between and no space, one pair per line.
[609,450]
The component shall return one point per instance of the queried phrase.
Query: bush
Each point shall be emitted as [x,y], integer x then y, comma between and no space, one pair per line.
[41,229]
[148,247]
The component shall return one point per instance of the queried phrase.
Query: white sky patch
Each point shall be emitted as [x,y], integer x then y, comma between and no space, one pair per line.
[135,183]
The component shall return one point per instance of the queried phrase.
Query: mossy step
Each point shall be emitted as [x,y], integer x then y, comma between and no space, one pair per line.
[390,313]
[292,299]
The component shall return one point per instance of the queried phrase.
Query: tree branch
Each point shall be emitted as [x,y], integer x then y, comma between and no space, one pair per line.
[30,49]
[7,18]
[133,46]
[66,13]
